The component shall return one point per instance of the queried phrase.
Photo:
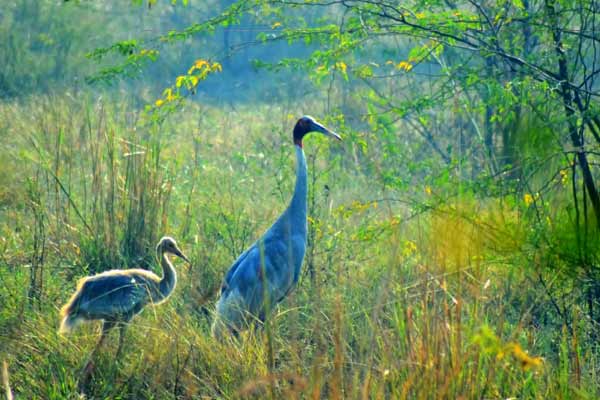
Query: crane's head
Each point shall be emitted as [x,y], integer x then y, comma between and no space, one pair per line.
[308,124]
[168,245]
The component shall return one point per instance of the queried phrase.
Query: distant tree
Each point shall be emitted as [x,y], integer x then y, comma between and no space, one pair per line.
[508,90]
[498,64]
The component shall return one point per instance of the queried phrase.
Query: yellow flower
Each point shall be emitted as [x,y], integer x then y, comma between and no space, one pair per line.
[528,199]
[200,63]
[409,248]
[159,102]
[564,176]
[170,95]
[526,361]
[405,65]
[428,190]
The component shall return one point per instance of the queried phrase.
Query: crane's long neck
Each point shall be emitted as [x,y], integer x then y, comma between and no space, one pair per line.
[168,280]
[297,207]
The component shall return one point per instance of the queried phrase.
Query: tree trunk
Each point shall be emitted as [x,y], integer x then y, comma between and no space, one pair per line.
[577,139]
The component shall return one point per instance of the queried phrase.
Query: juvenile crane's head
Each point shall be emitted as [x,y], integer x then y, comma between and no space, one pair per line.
[168,245]
[308,124]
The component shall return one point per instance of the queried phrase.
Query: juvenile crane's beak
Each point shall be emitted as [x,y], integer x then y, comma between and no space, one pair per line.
[179,254]
[317,127]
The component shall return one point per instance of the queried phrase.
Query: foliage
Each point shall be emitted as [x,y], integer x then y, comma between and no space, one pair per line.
[453,235]
[389,304]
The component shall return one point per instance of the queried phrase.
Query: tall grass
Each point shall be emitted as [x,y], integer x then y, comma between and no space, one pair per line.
[391,304]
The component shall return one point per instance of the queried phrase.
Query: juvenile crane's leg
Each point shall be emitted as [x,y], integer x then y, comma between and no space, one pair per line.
[122,329]
[106,327]
[87,371]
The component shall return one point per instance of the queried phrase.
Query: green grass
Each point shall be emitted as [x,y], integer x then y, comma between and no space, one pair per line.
[442,304]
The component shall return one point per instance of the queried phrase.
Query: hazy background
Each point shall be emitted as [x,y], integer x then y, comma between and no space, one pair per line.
[453,234]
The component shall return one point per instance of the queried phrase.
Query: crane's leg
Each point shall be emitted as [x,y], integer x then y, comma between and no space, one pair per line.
[106,327]
[122,329]
[87,371]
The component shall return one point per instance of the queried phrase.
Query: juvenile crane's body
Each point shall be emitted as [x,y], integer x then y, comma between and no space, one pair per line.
[116,296]
[265,273]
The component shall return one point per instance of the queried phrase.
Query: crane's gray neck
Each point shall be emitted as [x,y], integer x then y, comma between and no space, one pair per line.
[169,278]
[297,208]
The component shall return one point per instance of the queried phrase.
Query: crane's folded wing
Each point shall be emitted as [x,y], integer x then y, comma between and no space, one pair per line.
[107,296]
[247,277]
[234,267]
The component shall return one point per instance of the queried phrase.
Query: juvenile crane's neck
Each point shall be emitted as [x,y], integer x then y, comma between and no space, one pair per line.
[168,280]
[297,207]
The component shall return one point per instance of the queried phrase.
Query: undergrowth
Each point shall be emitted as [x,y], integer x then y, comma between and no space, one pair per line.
[436,297]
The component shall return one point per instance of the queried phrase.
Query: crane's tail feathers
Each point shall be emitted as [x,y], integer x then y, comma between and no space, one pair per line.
[68,313]
[230,315]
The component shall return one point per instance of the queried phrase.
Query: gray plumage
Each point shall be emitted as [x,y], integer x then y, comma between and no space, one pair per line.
[268,270]
[116,296]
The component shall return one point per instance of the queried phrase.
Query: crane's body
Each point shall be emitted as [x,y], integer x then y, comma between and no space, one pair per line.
[267,271]
[116,296]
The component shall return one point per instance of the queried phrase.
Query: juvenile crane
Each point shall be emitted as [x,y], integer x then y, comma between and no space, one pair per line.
[266,272]
[118,295]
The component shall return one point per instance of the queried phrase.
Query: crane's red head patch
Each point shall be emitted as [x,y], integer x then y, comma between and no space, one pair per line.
[308,124]
[303,126]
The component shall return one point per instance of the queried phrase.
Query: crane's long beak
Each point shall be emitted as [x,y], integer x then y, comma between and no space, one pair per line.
[317,127]
[179,254]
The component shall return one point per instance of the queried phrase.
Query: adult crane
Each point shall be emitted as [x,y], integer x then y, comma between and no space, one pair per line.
[266,272]
[118,295]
